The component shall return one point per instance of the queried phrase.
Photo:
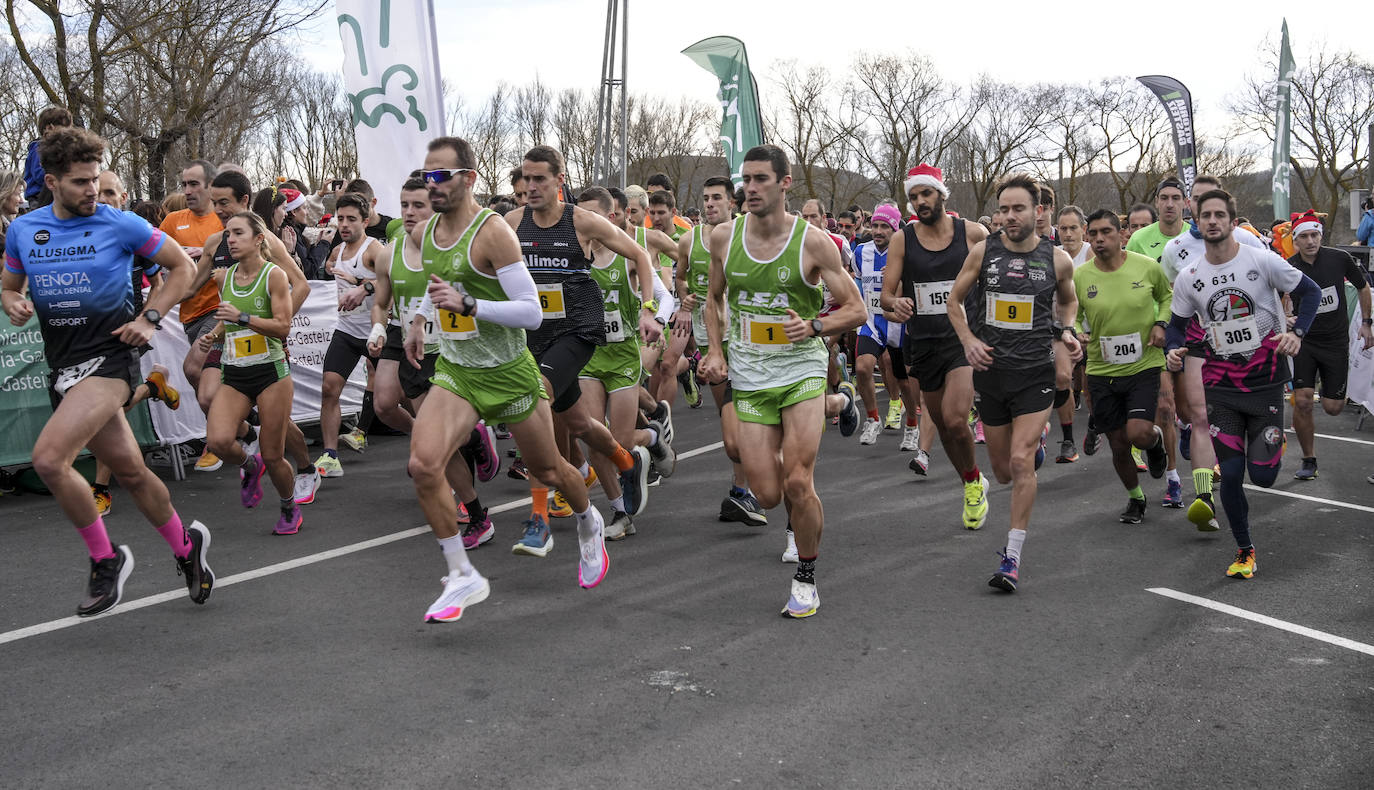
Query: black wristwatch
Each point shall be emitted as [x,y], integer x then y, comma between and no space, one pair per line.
[469,304]
[816,328]
[660,320]
[153,317]
[244,318]
[369,287]
[1300,332]
[1060,329]
[1369,322]
[1162,325]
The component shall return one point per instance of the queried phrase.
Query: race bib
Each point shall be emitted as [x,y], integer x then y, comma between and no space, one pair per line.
[933,298]
[551,300]
[1121,349]
[1237,336]
[875,302]
[455,326]
[245,347]
[1330,301]
[70,377]
[1010,311]
[615,326]
[763,332]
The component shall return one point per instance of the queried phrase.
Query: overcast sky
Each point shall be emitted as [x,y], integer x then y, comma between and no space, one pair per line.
[1208,46]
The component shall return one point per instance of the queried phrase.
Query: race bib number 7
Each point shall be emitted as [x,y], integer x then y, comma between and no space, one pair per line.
[1010,311]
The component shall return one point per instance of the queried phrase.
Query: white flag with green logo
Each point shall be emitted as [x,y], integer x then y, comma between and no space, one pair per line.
[741,125]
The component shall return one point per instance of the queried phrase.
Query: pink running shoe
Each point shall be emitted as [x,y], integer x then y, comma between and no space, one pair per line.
[250,480]
[289,523]
[475,533]
[488,461]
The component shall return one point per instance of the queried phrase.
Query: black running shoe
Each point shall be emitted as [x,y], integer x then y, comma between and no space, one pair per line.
[106,585]
[634,482]
[200,580]
[743,509]
[665,460]
[1157,457]
[1134,512]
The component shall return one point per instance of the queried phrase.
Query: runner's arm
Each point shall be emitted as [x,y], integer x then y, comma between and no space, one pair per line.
[598,228]
[205,265]
[848,304]
[279,325]
[520,309]
[892,277]
[963,286]
[715,294]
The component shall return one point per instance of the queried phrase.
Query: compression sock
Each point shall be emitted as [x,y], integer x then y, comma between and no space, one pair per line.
[806,570]
[1067,429]
[98,541]
[367,414]
[475,511]
[1202,481]
[175,535]
[539,502]
[1136,493]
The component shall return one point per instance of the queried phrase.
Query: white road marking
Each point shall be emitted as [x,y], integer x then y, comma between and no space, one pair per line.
[1336,502]
[1262,619]
[269,570]
[1337,438]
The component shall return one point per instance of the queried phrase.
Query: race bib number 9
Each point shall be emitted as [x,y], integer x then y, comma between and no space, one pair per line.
[551,300]
[763,332]
[456,326]
[933,298]
[246,347]
[1237,336]
[1329,300]
[1010,311]
[1121,349]
[615,326]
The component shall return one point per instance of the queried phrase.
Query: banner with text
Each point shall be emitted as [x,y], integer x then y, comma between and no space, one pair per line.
[1178,103]
[1282,124]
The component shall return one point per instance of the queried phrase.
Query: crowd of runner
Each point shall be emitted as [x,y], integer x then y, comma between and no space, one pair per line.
[569,323]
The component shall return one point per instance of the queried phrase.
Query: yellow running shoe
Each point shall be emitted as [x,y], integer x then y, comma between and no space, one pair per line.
[590,479]
[1245,566]
[103,502]
[1202,516]
[559,507]
[894,415]
[159,389]
[208,462]
[975,503]
[1139,458]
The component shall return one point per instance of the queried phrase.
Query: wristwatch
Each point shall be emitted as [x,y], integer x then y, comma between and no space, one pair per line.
[469,304]
[1059,328]
[1299,331]
[243,318]
[651,305]
[816,328]
[369,287]
[660,320]
[153,317]
[1369,322]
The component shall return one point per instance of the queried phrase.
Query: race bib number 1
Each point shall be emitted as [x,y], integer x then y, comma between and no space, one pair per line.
[1237,336]
[456,326]
[1010,311]
[763,332]
[246,347]
[551,300]
[933,298]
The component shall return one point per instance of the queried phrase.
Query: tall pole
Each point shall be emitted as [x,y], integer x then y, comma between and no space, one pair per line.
[604,158]
[625,96]
[602,133]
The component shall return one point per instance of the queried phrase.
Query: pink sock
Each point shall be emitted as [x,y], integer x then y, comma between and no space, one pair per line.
[97,541]
[176,537]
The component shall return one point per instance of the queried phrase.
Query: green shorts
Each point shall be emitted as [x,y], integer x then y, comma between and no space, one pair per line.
[616,366]
[506,393]
[766,405]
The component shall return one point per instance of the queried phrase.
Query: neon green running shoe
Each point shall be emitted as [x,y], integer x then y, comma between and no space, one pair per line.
[975,503]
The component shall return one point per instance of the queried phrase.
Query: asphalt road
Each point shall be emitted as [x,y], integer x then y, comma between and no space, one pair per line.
[306,670]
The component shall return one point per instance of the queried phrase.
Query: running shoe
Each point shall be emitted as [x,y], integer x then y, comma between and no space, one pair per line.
[463,517]
[593,560]
[250,481]
[1157,457]
[289,523]
[654,477]
[742,509]
[975,503]
[104,503]
[869,435]
[978,437]
[1092,440]
[663,413]
[1203,515]
[842,362]
[634,482]
[328,466]
[159,389]
[1134,512]
[1245,566]
[1173,494]
[200,580]
[502,432]
[911,439]
[850,415]
[1067,452]
[460,592]
[621,527]
[517,470]
[1040,451]
[559,507]
[105,588]
[476,533]
[307,486]
[803,602]
[1308,471]
[1007,575]
[1139,458]
[537,540]
[1185,442]
[789,554]
[919,463]
[665,460]
[208,462]
[894,415]
[355,439]
[488,460]
[690,391]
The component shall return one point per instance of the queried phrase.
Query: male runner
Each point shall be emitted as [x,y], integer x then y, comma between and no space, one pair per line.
[1232,289]
[482,300]
[689,328]
[1046,226]
[1123,309]
[1072,225]
[1016,277]
[1325,350]
[1140,215]
[923,262]
[554,237]
[881,341]
[75,257]
[842,406]
[768,267]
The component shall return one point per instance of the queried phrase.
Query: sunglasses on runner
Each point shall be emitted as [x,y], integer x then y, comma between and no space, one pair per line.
[442,175]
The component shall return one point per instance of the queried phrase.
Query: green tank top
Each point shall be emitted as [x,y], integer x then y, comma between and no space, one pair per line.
[244,346]
[622,301]
[698,265]
[469,341]
[408,287]
[758,294]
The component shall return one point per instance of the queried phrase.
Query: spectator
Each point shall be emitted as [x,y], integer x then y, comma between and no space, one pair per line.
[283,210]
[377,221]
[11,197]
[173,202]
[35,190]
[1365,235]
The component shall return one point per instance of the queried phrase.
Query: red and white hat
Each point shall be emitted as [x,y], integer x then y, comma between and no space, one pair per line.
[1305,222]
[926,175]
[294,199]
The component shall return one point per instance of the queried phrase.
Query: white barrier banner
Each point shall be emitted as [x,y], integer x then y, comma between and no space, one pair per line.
[1361,385]
[309,338]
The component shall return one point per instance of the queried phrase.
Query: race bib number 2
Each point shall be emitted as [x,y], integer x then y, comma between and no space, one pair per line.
[456,326]
[1010,311]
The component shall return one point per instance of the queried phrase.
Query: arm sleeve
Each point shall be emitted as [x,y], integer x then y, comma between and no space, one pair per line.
[13,263]
[1175,334]
[1309,297]
[520,310]
[426,308]
[136,234]
[667,305]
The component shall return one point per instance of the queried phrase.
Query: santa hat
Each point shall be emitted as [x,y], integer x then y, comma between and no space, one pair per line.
[926,175]
[1306,221]
[294,199]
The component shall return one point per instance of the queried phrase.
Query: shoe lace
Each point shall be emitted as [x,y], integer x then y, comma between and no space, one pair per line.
[533,527]
[1008,564]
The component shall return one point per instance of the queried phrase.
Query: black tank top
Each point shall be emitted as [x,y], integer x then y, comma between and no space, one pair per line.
[1014,310]
[554,257]
[222,259]
[919,265]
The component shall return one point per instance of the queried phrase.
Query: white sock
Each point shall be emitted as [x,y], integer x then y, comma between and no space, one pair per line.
[653,436]
[455,555]
[588,522]
[618,504]
[1016,538]
[584,469]
[1171,475]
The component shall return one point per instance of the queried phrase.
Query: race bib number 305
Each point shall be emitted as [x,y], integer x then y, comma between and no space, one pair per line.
[933,298]
[1010,311]
[763,332]
[551,300]
[1237,336]
[456,326]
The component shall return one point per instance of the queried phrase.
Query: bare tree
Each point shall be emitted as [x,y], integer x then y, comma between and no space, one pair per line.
[530,114]
[806,124]
[1074,145]
[1136,138]
[1002,137]
[488,130]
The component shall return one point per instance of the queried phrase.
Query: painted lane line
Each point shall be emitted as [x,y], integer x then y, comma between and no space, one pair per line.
[1262,619]
[1336,438]
[269,570]
[1336,502]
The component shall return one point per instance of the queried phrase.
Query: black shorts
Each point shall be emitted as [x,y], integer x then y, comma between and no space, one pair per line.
[394,347]
[932,359]
[415,383]
[251,380]
[1239,418]
[343,354]
[121,364]
[1329,361]
[561,362]
[1004,395]
[1118,399]
[867,346]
